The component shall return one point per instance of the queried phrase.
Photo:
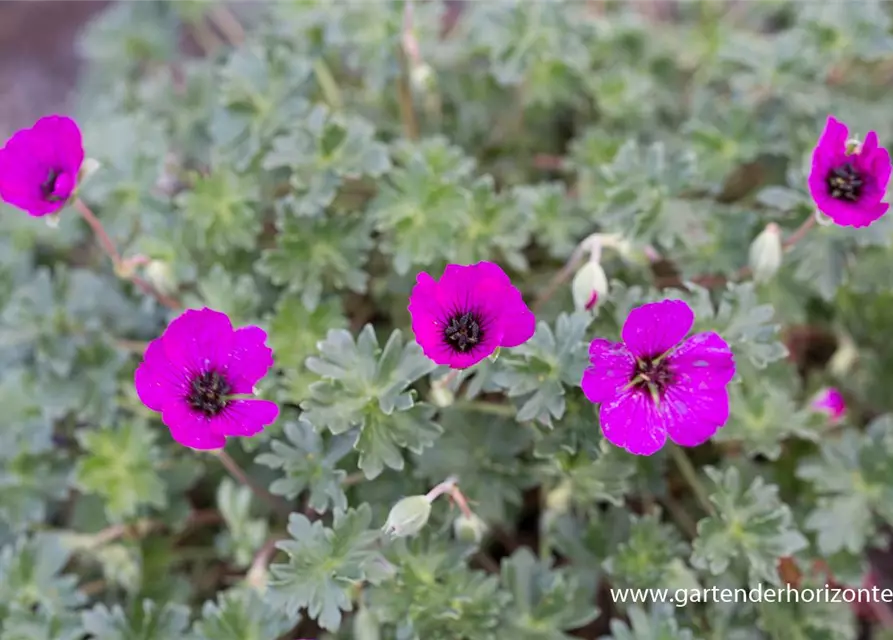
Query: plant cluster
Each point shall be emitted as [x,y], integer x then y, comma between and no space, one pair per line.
[444,321]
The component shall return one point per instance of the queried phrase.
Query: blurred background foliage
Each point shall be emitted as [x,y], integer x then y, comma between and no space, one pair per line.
[295,164]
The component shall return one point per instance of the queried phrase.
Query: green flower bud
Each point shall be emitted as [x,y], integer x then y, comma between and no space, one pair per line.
[765,253]
[469,529]
[589,287]
[407,517]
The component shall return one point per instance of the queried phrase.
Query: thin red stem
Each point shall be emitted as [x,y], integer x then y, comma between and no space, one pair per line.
[236,471]
[90,218]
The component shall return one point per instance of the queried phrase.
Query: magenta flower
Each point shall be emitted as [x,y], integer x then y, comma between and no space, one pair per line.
[831,402]
[654,384]
[39,166]
[848,181]
[194,373]
[466,315]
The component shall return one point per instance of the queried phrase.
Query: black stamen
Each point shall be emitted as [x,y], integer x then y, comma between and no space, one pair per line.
[463,331]
[208,395]
[845,183]
[653,372]
[49,185]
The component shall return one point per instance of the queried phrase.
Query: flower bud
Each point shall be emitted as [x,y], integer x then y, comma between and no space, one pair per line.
[442,396]
[589,287]
[161,277]
[558,499]
[52,220]
[88,168]
[366,625]
[765,253]
[469,529]
[830,402]
[407,517]
[422,77]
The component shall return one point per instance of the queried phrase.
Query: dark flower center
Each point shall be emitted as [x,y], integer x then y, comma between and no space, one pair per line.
[48,188]
[845,183]
[653,373]
[463,331]
[208,393]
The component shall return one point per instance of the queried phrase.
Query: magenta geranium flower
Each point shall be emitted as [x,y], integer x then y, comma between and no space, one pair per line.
[200,375]
[848,181]
[39,166]
[830,401]
[466,315]
[656,383]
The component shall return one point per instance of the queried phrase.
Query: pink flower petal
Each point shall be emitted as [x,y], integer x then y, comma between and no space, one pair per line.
[189,428]
[199,340]
[703,361]
[631,422]
[611,368]
[657,327]
[156,381]
[249,359]
[245,417]
[693,417]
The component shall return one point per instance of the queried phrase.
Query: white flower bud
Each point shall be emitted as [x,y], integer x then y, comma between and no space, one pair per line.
[161,277]
[52,220]
[469,529]
[558,500]
[88,168]
[765,253]
[366,625]
[422,77]
[407,517]
[589,287]
[442,396]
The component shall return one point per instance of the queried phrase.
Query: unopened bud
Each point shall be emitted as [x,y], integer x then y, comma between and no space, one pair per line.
[469,529]
[843,360]
[407,517]
[830,402]
[161,276]
[88,168]
[559,499]
[422,77]
[765,253]
[853,146]
[442,396]
[52,220]
[589,287]
[366,625]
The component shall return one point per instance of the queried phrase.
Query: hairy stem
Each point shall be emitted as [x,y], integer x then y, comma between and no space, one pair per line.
[236,471]
[690,474]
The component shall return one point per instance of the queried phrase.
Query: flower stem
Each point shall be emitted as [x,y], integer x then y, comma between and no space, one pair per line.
[449,488]
[328,84]
[487,407]
[123,268]
[800,232]
[691,477]
[104,240]
[236,471]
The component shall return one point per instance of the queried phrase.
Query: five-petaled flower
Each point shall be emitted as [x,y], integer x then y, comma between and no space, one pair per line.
[830,401]
[466,315]
[848,180]
[39,166]
[195,373]
[654,384]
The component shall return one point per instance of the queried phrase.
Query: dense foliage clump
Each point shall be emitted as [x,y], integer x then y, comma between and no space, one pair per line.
[469,315]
